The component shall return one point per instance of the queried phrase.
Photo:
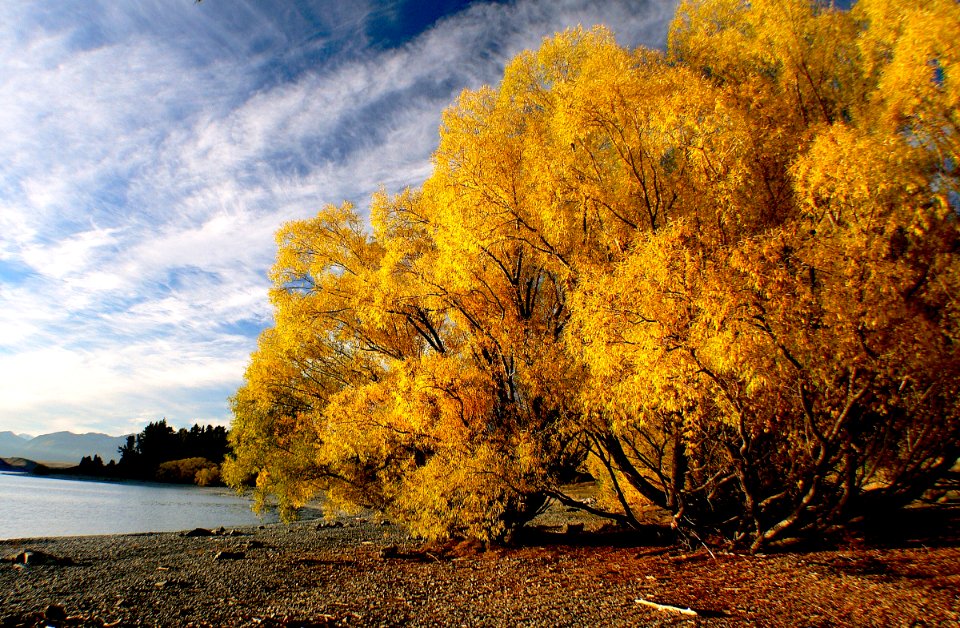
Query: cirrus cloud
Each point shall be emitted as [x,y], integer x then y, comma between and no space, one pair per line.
[151,150]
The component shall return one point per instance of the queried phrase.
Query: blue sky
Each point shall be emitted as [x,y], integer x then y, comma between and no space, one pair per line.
[151,148]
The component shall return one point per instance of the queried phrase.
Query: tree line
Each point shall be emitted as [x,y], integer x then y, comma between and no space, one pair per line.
[161,453]
[722,279]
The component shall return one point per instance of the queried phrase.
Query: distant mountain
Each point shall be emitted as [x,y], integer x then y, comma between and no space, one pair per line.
[61,446]
[10,442]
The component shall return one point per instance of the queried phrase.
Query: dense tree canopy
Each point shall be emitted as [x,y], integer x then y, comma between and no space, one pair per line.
[721,279]
[144,454]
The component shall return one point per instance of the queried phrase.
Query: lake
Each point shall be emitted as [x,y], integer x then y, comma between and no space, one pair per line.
[33,506]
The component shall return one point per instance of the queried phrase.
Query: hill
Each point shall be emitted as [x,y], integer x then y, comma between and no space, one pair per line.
[61,446]
[20,465]
[10,442]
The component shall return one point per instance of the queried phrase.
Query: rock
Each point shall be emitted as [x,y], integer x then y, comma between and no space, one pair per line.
[220,531]
[225,555]
[199,532]
[573,529]
[55,612]
[11,621]
[35,557]
[390,551]
[14,558]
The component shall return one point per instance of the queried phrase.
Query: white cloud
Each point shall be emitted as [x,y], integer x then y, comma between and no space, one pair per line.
[53,381]
[69,256]
[15,330]
[152,150]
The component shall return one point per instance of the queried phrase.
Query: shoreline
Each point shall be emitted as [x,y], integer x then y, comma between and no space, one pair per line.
[62,507]
[360,571]
[58,474]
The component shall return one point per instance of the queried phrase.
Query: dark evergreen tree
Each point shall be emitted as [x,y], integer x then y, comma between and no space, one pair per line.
[142,455]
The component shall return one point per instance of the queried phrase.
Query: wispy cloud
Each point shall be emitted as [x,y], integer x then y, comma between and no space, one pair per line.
[151,150]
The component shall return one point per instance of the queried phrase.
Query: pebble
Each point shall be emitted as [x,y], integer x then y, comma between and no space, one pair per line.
[340,577]
[55,612]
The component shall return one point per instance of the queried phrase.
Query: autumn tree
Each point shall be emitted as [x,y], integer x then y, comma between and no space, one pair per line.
[720,278]
[405,376]
[785,360]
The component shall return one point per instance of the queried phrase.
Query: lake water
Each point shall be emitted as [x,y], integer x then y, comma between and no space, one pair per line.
[42,506]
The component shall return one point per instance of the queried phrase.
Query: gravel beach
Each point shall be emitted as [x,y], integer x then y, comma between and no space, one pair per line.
[362,572]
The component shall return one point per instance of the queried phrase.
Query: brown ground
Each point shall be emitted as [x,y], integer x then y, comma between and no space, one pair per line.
[904,573]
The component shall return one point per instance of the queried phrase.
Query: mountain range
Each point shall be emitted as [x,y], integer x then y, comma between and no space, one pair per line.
[60,446]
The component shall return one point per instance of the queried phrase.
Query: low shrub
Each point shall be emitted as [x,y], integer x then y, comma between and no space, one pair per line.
[189,470]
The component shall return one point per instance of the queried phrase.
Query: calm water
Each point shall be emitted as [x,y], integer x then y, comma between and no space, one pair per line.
[39,506]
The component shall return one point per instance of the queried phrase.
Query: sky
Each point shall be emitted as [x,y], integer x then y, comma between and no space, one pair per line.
[150,149]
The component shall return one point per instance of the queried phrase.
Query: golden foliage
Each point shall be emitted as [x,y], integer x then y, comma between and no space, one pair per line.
[722,279]
[199,471]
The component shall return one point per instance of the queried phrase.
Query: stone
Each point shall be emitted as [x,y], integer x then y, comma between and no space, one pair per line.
[225,555]
[18,557]
[36,557]
[11,621]
[390,551]
[199,532]
[55,612]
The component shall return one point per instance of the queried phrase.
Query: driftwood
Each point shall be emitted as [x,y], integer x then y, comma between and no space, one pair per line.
[667,607]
